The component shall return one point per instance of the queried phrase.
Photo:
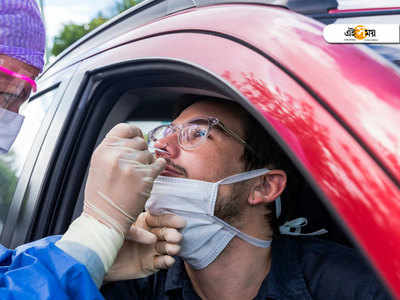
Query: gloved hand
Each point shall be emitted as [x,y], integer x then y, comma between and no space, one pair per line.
[120,179]
[150,245]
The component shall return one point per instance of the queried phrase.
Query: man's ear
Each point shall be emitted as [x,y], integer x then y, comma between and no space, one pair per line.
[268,187]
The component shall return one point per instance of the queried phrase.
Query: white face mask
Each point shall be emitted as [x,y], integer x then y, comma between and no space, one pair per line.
[10,125]
[205,236]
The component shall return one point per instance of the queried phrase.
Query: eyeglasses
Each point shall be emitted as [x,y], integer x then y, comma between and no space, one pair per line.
[192,134]
[18,93]
[20,76]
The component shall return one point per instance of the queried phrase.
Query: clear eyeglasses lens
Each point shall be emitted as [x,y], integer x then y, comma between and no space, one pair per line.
[189,136]
[159,133]
[192,135]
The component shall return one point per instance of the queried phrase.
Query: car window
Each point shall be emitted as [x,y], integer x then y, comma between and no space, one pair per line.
[359,4]
[11,163]
[146,126]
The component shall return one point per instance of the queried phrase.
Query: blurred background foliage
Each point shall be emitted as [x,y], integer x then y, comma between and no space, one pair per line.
[8,182]
[73,32]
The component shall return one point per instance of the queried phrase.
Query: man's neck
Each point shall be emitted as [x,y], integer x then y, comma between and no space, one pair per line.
[236,274]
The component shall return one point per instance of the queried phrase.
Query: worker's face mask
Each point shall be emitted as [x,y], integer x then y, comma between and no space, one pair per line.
[10,125]
[205,236]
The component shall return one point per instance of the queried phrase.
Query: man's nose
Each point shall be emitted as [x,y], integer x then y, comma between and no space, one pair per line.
[168,145]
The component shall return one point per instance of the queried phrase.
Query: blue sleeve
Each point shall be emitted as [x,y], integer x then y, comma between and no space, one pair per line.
[40,270]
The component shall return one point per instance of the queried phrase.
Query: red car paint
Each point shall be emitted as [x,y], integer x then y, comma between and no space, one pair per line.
[337,107]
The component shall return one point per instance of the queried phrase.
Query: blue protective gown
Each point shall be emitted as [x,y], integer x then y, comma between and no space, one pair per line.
[40,270]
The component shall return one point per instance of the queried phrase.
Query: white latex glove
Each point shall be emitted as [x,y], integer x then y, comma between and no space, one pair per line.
[120,178]
[144,253]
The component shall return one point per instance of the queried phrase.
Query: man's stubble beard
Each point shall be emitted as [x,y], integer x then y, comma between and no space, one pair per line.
[230,208]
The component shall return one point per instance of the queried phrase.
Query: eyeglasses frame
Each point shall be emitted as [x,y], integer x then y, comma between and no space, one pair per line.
[19,76]
[212,122]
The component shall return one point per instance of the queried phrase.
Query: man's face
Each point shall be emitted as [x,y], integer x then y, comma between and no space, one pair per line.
[14,91]
[218,157]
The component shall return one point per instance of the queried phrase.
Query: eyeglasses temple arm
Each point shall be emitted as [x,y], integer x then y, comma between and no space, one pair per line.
[237,137]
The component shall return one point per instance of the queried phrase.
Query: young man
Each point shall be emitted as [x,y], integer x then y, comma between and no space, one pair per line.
[226,249]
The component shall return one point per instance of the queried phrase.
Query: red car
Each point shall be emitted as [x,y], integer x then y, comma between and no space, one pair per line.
[334,109]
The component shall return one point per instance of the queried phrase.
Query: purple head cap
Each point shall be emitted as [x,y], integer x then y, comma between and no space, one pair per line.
[22,33]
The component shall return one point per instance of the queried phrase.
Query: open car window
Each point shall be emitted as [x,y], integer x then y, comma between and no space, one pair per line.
[11,163]
[136,106]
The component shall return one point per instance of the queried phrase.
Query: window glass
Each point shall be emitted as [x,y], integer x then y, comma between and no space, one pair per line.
[11,163]
[146,126]
[359,4]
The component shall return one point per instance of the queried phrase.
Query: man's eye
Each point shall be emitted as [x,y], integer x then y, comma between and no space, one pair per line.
[195,133]
[199,132]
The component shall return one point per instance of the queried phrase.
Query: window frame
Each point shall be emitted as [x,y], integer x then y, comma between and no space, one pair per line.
[24,201]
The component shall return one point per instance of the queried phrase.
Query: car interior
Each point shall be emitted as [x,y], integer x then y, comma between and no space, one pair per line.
[129,94]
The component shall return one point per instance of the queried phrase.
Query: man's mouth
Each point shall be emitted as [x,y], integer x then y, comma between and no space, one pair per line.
[172,171]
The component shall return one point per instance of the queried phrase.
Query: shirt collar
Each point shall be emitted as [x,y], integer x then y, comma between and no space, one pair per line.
[285,279]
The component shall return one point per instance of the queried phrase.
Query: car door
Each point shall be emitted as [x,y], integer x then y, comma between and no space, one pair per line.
[28,158]
[139,77]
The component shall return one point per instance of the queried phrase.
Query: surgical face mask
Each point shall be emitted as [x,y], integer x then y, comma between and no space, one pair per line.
[205,236]
[10,125]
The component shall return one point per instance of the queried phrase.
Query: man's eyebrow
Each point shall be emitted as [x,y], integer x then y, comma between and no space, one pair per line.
[204,121]
[198,121]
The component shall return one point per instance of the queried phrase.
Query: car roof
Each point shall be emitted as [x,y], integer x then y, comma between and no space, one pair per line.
[150,10]
[147,11]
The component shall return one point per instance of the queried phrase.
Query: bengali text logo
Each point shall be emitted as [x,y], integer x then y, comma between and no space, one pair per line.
[360,32]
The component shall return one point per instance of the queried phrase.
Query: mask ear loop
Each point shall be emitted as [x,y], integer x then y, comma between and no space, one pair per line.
[293,227]
[233,179]
[243,176]
[278,207]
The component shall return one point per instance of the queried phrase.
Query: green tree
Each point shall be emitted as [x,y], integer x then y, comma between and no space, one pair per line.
[121,6]
[8,180]
[73,32]
[8,183]
[70,34]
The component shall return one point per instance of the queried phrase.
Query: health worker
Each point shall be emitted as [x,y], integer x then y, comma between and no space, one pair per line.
[111,239]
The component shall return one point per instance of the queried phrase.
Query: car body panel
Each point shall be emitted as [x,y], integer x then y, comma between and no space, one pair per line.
[369,85]
[150,10]
[335,108]
[362,194]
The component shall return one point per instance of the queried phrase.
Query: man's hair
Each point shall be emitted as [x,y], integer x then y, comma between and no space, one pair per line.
[268,154]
